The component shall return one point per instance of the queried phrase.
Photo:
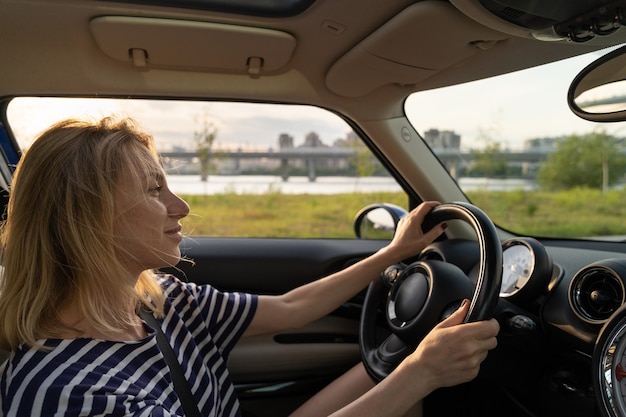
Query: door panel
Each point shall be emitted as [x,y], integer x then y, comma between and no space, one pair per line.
[325,347]
[267,266]
[275,373]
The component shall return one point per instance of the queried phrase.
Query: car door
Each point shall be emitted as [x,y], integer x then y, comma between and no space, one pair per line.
[273,373]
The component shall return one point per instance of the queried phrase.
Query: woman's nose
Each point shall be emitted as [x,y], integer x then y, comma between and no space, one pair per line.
[178,207]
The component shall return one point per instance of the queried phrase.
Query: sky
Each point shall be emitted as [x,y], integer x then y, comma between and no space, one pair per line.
[175,122]
[507,109]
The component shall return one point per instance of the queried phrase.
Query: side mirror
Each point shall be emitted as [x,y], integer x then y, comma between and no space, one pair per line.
[598,93]
[378,221]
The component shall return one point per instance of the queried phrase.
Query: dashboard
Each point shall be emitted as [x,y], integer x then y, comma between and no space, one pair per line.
[575,290]
[563,318]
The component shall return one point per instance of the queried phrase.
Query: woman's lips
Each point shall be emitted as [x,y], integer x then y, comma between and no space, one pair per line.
[175,232]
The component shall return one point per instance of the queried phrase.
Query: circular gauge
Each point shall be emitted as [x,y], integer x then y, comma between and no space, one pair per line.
[527,268]
[518,262]
[609,366]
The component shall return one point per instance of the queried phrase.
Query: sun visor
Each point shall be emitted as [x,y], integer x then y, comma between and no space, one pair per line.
[191,45]
[404,52]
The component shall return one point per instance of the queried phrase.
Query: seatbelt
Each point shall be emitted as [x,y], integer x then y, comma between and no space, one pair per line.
[181,386]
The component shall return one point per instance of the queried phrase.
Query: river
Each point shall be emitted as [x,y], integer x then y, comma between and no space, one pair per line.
[258,184]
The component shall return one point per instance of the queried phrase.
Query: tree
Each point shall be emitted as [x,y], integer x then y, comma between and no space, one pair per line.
[204,139]
[363,161]
[489,162]
[593,160]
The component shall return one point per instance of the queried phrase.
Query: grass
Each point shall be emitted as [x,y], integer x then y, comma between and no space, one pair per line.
[573,213]
[274,214]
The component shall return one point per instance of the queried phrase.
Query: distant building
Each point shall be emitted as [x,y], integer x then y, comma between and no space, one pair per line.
[312,140]
[544,145]
[285,141]
[442,139]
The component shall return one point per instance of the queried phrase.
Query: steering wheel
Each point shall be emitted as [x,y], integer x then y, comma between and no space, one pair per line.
[427,291]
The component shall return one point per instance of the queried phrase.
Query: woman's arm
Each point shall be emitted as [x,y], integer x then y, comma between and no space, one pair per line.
[312,301]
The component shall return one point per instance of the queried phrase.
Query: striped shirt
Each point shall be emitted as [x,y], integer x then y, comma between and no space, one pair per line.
[88,377]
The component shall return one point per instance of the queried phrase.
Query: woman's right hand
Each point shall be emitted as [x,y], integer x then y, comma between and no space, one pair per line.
[452,352]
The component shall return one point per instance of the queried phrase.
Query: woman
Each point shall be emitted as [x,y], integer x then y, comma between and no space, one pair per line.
[89,218]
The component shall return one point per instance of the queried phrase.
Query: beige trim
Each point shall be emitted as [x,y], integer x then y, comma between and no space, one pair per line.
[190,45]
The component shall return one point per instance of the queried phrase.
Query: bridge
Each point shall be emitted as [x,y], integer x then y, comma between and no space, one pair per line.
[454,158]
[451,158]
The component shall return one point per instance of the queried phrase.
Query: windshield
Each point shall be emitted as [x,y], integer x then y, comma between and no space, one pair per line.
[520,154]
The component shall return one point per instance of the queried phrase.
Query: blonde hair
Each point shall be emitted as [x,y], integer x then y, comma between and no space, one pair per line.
[57,242]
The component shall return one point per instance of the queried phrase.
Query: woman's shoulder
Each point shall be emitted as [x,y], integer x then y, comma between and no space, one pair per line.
[174,286]
[167,279]
[184,294]
[178,289]
[170,281]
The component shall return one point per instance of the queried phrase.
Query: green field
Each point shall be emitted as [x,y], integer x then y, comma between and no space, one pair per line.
[573,213]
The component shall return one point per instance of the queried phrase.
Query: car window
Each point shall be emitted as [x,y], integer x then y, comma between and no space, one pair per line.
[520,154]
[246,169]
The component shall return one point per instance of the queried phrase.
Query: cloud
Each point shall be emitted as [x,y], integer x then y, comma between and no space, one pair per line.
[173,122]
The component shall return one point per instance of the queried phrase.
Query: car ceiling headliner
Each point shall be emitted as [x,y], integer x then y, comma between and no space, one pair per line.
[358,57]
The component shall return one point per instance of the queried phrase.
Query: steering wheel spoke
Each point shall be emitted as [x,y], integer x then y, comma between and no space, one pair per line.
[389,354]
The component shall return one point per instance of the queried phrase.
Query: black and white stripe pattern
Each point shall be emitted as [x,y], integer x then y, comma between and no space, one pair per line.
[87,377]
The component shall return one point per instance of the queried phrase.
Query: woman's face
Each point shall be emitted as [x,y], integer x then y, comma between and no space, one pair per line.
[147,228]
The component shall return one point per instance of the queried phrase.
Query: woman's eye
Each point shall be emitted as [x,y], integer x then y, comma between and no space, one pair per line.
[156,190]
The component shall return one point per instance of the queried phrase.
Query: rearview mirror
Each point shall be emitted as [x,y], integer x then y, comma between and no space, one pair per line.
[378,221]
[598,93]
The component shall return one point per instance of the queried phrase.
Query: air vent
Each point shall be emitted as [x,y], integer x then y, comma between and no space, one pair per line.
[595,293]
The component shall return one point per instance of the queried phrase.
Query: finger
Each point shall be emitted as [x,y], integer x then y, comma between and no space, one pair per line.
[435,230]
[419,213]
[484,329]
[485,344]
[457,317]
[416,218]
[423,209]
[434,233]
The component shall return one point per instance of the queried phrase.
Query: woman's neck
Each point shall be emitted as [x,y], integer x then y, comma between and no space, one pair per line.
[76,325]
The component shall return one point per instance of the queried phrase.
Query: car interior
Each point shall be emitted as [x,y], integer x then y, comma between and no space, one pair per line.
[383,72]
